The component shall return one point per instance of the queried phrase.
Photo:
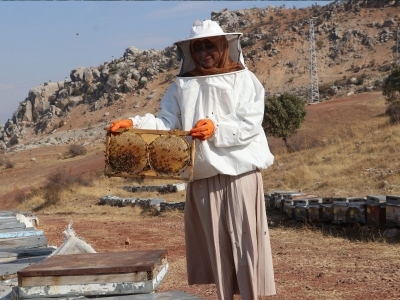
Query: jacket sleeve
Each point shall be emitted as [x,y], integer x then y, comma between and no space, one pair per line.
[243,125]
[168,116]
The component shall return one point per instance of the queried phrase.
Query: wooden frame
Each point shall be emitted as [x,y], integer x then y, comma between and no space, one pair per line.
[149,135]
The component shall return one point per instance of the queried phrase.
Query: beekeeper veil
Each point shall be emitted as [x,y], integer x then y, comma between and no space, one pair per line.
[204,29]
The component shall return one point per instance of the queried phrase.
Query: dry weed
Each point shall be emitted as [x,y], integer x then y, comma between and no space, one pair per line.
[350,164]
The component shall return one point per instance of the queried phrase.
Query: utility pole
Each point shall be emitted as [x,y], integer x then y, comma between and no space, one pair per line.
[397,46]
[314,95]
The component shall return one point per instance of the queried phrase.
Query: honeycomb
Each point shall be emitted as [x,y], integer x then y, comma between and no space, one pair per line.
[127,153]
[169,155]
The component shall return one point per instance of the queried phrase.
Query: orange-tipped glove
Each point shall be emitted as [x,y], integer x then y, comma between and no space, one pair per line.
[120,124]
[204,129]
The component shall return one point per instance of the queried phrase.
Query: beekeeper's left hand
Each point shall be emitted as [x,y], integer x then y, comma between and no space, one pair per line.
[203,130]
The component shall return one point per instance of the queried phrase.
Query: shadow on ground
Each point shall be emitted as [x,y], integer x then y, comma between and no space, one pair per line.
[356,232]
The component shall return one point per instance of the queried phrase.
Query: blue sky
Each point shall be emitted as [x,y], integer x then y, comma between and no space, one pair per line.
[45,40]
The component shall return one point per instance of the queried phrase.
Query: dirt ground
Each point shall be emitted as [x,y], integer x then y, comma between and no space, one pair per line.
[310,262]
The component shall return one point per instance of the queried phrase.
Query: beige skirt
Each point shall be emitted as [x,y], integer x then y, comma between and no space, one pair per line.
[227,239]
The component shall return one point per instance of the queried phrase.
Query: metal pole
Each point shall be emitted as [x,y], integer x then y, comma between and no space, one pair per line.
[313,66]
[397,47]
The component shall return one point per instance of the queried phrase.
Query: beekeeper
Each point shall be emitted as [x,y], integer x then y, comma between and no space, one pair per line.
[221,103]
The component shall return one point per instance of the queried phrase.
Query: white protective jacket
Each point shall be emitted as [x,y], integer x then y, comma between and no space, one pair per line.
[235,103]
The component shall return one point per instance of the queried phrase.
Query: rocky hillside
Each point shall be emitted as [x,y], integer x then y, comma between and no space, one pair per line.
[355,44]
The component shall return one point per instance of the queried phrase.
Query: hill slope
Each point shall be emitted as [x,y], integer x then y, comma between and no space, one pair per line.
[355,45]
[354,49]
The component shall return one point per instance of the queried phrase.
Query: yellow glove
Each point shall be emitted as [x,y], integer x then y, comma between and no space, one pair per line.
[204,129]
[120,124]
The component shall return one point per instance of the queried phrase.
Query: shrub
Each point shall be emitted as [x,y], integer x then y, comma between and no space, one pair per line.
[143,81]
[320,44]
[283,116]
[324,88]
[340,82]
[76,150]
[378,85]
[172,62]
[391,92]
[393,111]
[360,78]
[248,42]
[71,103]
[2,161]
[267,46]
[58,182]
[169,77]
[9,164]
[391,86]
[22,196]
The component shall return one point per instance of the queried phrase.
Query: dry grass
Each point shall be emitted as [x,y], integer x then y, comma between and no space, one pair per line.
[80,198]
[357,160]
[347,152]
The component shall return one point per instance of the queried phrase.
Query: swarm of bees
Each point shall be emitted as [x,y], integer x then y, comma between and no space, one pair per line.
[127,153]
[169,155]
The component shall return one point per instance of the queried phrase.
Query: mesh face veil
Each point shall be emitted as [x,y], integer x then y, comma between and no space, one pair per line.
[228,45]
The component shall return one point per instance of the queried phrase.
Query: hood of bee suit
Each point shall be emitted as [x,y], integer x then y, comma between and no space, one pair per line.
[203,29]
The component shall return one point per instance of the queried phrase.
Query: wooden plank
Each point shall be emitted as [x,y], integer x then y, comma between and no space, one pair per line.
[20,253]
[8,219]
[192,153]
[172,295]
[176,295]
[96,263]
[152,131]
[149,174]
[23,242]
[96,278]
[93,289]
[80,279]
[6,213]
[16,229]
[89,278]
[10,225]
[18,233]
[13,266]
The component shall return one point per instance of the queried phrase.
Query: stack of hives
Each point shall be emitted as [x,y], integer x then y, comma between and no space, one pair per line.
[164,188]
[378,210]
[21,244]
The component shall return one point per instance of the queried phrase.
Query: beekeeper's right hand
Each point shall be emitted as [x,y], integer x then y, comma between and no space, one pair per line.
[115,125]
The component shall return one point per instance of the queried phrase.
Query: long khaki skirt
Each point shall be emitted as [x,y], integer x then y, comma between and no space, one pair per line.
[227,238]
